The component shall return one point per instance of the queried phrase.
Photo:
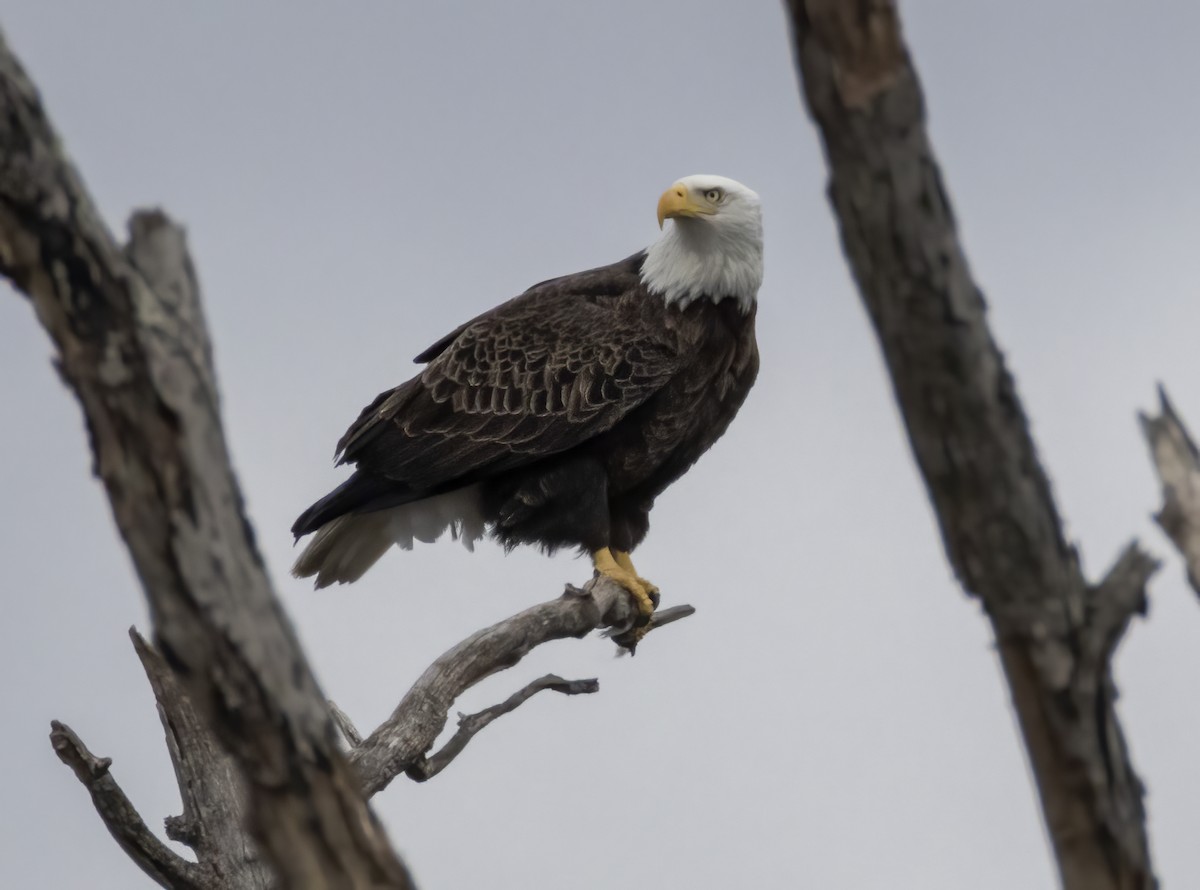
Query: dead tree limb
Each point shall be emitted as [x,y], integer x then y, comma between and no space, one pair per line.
[969,434]
[121,818]
[131,345]
[470,725]
[345,725]
[212,788]
[210,785]
[1177,463]
[400,744]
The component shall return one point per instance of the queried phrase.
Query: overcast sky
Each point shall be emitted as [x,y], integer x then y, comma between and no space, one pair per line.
[359,178]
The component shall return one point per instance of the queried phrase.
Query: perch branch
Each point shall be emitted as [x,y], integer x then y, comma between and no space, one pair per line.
[402,741]
[129,335]
[469,725]
[1177,463]
[165,867]
[969,435]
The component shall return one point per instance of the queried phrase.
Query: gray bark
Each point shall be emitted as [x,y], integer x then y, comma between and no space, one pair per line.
[999,523]
[210,785]
[131,345]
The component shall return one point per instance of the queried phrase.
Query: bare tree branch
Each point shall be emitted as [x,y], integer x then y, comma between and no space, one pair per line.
[143,375]
[1113,603]
[401,742]
[469,725]
[968,431]
[1177,463]
[121,819]
[345,725]
[212,789]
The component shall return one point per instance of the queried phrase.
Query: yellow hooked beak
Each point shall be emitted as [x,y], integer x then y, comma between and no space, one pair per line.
[677,201]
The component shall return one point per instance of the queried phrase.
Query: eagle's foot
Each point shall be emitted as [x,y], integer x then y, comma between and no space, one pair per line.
[623,560]
[646,596]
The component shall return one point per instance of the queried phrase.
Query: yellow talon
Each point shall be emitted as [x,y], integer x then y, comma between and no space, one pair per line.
[609,565]
[618,566]
[626,563]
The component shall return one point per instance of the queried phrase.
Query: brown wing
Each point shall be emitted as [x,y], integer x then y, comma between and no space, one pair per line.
[541,374]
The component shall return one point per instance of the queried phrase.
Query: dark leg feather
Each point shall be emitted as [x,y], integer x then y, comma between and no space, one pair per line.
[563,503]
[630,522]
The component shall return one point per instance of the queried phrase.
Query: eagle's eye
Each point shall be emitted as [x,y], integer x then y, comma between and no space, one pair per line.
[713,196]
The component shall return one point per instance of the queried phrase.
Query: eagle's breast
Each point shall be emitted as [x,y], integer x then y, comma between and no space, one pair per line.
[658,442]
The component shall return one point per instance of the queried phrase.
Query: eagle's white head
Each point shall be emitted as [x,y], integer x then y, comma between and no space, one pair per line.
[713,249]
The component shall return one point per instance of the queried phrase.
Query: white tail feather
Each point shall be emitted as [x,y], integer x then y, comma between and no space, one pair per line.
[342,550]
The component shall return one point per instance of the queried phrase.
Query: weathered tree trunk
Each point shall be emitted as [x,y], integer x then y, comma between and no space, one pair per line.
[132,345]
[1000,527]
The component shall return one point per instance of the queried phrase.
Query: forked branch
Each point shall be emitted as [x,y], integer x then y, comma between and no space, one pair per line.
[469,725]
[213,790]
[400,744]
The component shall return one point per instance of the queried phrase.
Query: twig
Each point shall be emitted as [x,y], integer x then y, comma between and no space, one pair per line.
[469,725]
[660,618]
[121,819]
[1177,463]
[1114,602]
[402,740]
[345,724]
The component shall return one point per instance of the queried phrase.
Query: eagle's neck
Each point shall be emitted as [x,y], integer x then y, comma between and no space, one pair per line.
[697,259]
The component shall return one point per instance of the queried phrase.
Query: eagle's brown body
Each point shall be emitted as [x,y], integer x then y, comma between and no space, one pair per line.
[567,409]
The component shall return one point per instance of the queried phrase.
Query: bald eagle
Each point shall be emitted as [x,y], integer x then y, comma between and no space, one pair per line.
[558,417]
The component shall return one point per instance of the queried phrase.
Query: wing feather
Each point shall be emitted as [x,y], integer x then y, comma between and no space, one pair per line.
[543,373]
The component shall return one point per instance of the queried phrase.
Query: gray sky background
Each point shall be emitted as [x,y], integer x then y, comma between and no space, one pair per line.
[359,178]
